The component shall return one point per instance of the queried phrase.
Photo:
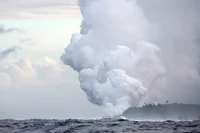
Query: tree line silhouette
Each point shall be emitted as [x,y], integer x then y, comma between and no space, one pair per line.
[167,111]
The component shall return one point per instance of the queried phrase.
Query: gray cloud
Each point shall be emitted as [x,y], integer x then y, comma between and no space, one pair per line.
[25,40]
[6,30]
[8,51]
[29,41]
[176,28]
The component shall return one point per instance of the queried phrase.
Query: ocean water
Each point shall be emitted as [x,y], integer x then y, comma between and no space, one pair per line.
[107,125]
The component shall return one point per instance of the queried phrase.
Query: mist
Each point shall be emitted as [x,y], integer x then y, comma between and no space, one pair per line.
[132,52]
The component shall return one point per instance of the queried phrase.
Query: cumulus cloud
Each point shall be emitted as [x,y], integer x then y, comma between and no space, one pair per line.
[23,74]
[43,88]
[114,52]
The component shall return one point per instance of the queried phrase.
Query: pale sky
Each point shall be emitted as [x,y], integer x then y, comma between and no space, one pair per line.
[33,81]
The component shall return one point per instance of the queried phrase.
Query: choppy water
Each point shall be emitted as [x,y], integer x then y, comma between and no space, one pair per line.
[97,126]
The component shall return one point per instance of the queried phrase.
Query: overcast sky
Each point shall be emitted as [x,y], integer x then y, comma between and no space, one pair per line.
[22,9]
[33,81]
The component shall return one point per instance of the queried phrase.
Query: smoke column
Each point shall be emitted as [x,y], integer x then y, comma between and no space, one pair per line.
[125,57]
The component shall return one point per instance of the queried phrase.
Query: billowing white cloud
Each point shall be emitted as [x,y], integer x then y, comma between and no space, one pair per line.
[109,47]
[111,58]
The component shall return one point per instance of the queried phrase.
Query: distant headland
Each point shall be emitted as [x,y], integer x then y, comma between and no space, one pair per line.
[167,111]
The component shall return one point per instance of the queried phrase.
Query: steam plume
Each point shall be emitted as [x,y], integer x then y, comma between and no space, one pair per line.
[118,62]
[108,56]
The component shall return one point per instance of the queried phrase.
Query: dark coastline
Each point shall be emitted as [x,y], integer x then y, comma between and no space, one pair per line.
[174,111]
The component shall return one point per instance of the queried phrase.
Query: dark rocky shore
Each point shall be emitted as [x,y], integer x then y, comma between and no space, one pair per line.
[168,111]
[107,125]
